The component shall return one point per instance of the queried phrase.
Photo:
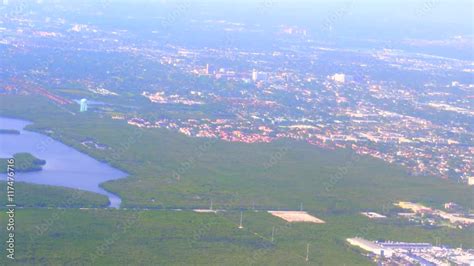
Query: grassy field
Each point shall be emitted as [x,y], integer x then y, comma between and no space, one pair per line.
[32,195]
[120,237]
[168,170]
[171,170]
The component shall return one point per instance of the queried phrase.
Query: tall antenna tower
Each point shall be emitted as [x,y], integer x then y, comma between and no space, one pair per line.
[273,232]
[241,216]
[307,252]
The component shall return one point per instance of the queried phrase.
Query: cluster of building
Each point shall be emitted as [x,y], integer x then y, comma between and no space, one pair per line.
[427,215]
[417,143]
[161,97]
[345,110]
[218,128]
[401,253]
[293,91]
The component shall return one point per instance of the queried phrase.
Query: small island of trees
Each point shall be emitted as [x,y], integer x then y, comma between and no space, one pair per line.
[24,162]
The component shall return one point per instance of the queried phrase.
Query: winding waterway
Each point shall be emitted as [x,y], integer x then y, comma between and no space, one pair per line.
[64,167]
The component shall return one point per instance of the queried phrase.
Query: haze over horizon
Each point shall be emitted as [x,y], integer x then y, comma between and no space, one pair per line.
[229,133]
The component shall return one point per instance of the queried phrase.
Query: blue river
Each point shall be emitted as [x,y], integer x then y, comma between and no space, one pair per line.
[64,166]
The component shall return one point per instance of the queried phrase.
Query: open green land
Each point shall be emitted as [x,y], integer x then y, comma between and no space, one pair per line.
[32,195]
[120,237]
[24,162]
[168,170]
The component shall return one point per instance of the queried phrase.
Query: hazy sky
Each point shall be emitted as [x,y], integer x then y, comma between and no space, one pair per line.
[431,19]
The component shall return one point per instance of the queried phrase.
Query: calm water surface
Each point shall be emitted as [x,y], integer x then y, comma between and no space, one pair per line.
[64,166]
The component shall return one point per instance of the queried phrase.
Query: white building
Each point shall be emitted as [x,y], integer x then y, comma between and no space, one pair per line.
[370,246]
[254,75]
[339,78]
[470,181]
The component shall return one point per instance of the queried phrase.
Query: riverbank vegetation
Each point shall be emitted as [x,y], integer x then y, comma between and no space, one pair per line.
[168,170]
[131,237]
[42,196]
